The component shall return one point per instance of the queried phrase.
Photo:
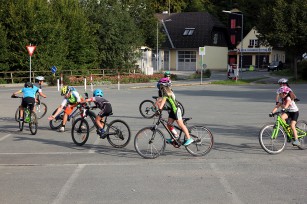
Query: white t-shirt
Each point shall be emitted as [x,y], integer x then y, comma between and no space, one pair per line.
[292,107]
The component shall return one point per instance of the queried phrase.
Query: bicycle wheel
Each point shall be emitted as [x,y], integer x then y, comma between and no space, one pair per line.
[268,143]
[21,123]
[203,140]
[17,115]
[302,125]
[33,123]
[149,143]
[181,107]
[147,109]
[57,121]
[80,131]
[40,110]
[118,133]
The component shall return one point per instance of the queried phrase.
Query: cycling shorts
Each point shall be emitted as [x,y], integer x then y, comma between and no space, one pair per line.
[28,100]
[177,115]
[293,115]
[106,110]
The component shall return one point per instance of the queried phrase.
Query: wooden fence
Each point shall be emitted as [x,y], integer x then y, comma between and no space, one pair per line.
[23,76]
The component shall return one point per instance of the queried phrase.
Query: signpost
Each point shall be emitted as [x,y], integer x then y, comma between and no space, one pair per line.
[202,52]
[30,49]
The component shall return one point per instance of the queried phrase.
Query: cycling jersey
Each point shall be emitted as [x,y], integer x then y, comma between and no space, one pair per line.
[29,92]
[72,99]
[292,107]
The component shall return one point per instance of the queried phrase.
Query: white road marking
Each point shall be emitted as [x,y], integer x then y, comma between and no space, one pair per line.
[3,138]
[66,188]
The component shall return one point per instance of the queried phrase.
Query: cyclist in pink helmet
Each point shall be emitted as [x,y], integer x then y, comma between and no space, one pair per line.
[283,82]
[291,110]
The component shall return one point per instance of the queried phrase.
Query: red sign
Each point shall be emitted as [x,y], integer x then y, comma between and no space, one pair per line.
[31,49]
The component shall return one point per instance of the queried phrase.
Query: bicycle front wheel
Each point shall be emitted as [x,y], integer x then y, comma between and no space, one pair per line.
[57,121]
[40,110]
[80,131]
[302,125]
[271,143]
[149,143]
[118,133]
[33,124]
[147,109]
[203,140]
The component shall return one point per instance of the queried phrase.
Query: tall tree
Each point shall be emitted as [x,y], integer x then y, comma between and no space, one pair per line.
[284,24]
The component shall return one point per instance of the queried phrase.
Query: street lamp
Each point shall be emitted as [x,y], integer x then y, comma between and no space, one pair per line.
[241,53]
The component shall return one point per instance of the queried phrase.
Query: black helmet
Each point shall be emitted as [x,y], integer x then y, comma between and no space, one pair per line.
[28,84]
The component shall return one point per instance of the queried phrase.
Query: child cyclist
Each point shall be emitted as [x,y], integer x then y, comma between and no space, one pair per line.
[71,100]
[175,111]
[292,111]
[105,107]
[29,92]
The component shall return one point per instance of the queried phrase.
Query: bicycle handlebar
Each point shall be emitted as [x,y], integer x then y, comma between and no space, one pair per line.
[14,96]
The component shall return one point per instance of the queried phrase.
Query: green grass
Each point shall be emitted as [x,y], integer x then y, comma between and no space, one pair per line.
[234,82]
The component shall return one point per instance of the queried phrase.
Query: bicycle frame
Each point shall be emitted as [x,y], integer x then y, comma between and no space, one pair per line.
[286,127]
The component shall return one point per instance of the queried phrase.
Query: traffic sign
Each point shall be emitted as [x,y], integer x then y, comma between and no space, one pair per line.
[53,69]
[202,50]
[31,49]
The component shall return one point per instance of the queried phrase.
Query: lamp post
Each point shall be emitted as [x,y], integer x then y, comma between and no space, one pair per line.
[241,51]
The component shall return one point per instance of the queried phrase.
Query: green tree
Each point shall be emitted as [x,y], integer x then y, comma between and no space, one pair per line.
[284,24]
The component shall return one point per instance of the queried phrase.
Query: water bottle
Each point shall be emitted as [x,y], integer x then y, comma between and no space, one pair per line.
[172,129]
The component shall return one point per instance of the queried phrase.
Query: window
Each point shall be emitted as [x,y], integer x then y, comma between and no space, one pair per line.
[188,31]
[251,43]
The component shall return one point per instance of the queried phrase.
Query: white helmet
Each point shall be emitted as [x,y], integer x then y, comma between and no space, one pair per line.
[40,78]
[283,81]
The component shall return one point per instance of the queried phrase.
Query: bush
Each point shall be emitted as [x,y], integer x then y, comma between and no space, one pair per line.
[206,73]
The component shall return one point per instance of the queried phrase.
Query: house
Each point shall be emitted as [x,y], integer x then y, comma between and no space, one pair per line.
[185,34]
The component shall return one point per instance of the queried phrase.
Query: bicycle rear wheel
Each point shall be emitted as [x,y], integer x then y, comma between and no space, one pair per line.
[149,143]
[302,125]
[40,110]
[203,140]
[80,131]
[268,143]
[21,124]
[57,121]
[17,115]
[118,133]
[33,123]
[147,109]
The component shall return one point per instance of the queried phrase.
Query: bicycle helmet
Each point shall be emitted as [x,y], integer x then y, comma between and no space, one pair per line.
[28,84]
[283,81]
[40,78]
[164,82]
[167,74]
[65,90]
[284,89]
[98,92]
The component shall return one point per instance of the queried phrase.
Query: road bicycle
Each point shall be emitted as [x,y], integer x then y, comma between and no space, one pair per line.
[274,136]
[29,117]
[40,109]
[117,131]
[150,141]
[148,108]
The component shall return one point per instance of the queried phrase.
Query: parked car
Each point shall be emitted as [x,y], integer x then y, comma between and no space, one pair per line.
[275,65]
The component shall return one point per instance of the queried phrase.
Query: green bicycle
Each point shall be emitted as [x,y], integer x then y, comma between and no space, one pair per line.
[274,136]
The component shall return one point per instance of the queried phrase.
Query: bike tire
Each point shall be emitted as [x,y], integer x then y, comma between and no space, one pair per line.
[92,123]
[203,140]
[301,124]
[272,146]
[21,124]
[181,107]
[57,121]
[118,133]
[147,109]
[33,124]
[40,110]
[17,115]
[149,143]
[80,131]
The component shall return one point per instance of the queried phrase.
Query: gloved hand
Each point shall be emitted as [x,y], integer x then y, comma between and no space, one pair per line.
[271,114]
[158,112]
[79,105]
[296,100]
[277,103]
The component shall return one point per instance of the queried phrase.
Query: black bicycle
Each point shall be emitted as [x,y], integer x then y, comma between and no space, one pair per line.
[148,108]
[150,142]
[117,132]
[29,117]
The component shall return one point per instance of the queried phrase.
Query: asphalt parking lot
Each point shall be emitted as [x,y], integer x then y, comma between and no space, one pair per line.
[49,168]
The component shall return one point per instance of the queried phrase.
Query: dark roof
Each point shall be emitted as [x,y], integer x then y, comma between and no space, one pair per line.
[203,22]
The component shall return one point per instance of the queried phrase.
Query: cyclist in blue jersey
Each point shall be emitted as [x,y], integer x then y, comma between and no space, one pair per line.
[29,92]
[175,112]
[71,100]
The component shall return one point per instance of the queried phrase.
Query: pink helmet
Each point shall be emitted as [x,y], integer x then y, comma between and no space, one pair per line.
[284,89]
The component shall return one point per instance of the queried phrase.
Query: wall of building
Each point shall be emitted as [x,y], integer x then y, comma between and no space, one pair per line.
[215,58]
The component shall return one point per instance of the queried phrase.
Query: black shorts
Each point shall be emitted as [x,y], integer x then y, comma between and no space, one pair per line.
[106,110]
[28,100]
[293,115]
[177,115]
